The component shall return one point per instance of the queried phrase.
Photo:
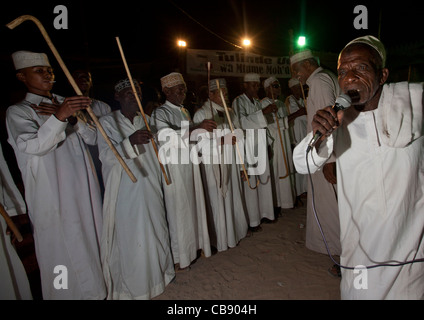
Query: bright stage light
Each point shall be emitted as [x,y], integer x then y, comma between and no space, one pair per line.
[246,42]
[301,41]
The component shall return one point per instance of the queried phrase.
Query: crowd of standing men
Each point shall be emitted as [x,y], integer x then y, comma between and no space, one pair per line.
[134,236]
[130,239]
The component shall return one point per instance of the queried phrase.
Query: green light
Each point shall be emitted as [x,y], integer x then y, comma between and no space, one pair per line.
[301,41]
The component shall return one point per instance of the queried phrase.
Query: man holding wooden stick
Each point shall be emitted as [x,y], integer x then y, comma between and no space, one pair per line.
[222,182]
[136,254]
[184,197]
[61,190]
[252,119]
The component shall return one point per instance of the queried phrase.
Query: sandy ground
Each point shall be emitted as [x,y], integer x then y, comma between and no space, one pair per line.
[272,264]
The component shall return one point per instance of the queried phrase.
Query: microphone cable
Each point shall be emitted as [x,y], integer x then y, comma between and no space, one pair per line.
[383,264]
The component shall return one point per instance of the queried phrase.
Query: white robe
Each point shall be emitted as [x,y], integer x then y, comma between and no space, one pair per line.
[323,91]
[381,186]
[223,182]
[63,198]
[136,254]
[14,284]
[282,165]
[298,131]
[184,197]
[259,201]
[100,109]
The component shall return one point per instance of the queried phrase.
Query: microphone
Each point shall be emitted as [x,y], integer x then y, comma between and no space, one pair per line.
[343,102]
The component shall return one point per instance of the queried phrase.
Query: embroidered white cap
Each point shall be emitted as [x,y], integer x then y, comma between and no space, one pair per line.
[26,59]
[213,86]
[171,80]
[125,83]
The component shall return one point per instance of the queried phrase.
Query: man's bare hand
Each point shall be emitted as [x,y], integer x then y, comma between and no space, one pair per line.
[70,106]
[272,108]
[208,125]
[140,137]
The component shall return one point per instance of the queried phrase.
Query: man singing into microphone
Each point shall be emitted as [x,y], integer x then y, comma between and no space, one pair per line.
[379,147]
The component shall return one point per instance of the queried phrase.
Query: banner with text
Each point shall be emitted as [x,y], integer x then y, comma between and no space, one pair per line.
[236,63]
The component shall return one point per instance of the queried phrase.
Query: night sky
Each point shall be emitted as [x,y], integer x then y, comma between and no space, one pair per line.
[148,30]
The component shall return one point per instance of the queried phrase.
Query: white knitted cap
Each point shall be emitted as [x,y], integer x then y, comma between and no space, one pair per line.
[372,42]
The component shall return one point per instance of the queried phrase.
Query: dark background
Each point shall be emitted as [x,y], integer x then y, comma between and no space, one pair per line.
[148,31]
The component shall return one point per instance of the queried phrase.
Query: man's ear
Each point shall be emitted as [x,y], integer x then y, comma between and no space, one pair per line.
[20,76]
[384,76]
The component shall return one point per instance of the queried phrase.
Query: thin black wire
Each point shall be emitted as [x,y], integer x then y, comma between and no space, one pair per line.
[207,29]
[384,264]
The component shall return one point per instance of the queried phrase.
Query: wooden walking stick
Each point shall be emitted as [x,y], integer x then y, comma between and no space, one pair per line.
[303,96]
[209,88]
[141,107]
[71,80]
[11,224]
[281,141]
[212,117]
[230,123]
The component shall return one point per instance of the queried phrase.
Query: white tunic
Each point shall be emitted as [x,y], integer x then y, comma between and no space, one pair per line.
[323,91]
[381,188]
[63,198]
[184,197]
[298,131]
[14,283]
[136,254]
[223,182]
[282,159]
[100,109]
[259,201]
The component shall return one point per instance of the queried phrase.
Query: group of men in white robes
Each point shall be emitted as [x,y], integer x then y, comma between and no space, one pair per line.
[130,245]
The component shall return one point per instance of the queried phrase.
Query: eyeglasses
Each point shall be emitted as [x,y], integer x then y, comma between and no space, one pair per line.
[275,85]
